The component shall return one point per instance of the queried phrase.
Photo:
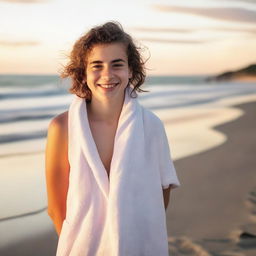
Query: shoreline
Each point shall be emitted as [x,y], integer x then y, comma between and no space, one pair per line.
[191,130]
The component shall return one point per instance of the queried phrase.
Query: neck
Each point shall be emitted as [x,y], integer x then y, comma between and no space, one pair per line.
[104,111]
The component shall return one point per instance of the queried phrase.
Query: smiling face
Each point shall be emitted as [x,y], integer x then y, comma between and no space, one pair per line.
[107,71]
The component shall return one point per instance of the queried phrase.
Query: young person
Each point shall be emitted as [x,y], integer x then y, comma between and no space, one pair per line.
[108,167]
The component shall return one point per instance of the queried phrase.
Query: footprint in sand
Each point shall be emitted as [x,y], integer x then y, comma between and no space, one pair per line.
[247,237]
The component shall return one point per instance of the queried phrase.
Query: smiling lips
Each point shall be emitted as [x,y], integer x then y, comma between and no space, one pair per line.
[106,86]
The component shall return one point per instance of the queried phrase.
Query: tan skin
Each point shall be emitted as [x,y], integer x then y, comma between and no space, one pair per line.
[103,115]
[57,169]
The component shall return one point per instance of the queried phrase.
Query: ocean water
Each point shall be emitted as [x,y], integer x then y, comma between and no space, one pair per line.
[29,102]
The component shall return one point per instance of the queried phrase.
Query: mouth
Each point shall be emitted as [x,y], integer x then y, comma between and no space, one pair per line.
[108,86]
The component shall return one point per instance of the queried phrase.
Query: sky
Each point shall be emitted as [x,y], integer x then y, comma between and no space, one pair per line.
[193,37]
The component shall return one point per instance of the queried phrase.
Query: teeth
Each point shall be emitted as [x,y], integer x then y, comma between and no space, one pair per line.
[108,85]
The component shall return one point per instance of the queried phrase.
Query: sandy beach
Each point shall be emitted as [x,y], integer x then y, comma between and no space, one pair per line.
[216,204]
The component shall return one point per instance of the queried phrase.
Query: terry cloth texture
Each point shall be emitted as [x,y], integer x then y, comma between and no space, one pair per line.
[123,214]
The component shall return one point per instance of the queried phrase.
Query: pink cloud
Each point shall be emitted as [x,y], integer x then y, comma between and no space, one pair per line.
[181,30]
[227,14]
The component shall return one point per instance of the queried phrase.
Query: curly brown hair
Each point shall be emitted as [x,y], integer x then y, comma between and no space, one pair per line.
[110,32]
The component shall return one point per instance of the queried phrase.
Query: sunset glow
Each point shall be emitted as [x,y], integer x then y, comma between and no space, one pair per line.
[199,37]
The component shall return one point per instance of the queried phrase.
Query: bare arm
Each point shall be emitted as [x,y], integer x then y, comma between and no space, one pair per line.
[166,195]
[57,169]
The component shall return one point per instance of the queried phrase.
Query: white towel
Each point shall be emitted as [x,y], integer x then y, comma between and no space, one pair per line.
[122,215]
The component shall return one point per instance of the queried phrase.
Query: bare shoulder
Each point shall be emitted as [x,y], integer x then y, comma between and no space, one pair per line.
[58,126]
[57,136]
[60,122]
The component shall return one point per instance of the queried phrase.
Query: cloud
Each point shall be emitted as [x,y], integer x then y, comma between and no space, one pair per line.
[18,43]
[164,30]
[227,14]
[181,30]
[243,30]
[24,1]
[171,41]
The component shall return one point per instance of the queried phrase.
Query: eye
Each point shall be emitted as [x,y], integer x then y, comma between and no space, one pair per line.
[96,66]
[118,65]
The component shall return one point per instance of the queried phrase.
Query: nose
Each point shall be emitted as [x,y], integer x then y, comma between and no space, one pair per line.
[107,73]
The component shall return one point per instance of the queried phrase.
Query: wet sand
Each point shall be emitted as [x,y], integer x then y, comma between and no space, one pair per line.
[217,200]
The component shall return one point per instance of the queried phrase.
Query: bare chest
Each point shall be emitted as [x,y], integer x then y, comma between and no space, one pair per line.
[104,136]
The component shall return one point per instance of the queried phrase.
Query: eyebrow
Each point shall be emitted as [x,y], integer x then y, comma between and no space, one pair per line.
[100,62]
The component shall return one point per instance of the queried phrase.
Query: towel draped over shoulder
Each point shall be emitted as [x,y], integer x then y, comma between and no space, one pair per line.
[123,214]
